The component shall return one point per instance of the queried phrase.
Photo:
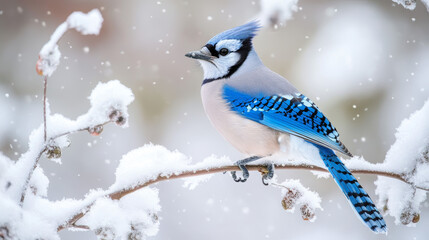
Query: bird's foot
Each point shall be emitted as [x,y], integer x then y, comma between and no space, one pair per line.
[267,174]
[242,165]
[245,174]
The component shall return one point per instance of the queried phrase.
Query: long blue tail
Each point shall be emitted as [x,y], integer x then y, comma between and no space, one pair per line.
[354,192]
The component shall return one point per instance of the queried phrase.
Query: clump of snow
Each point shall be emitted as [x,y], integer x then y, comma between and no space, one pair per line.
[39,183]
[49,59]
[277,12]
[49,55]
[294,194]
[152,161]
[132,217]
[86,23]
[23,224]
[109,101]
[408,155]
[147,163]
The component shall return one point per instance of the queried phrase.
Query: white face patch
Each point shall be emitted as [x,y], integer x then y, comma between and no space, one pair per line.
[231,44]
[219,66]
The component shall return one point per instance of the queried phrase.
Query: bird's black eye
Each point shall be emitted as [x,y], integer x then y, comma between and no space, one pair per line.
[223,52]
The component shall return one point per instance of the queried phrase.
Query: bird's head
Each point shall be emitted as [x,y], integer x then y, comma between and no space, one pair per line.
[226,52]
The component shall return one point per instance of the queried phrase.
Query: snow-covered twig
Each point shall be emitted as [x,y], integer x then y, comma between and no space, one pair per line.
[49,55]
[49,58]
[134,183]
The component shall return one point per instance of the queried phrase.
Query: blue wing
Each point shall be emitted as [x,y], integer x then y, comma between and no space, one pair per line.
[296,115]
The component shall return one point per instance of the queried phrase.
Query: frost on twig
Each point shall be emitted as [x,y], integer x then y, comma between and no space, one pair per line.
[49,55]
[409,155]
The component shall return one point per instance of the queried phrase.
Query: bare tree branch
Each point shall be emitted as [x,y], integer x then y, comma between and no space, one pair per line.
[116,195]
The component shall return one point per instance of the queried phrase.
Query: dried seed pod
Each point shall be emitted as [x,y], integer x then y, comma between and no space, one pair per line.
[416,218]
[121,121]
[307,212]
[95,130]
[54,152]
[114,115]
[409,216]
[290,198]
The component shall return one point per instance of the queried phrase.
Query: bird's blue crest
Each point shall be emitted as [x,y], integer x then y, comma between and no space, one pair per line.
[242,32]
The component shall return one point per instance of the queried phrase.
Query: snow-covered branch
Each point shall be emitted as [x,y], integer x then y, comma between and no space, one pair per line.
[151,164]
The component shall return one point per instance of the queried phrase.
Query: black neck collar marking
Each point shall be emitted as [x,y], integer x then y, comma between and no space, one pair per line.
[243,51]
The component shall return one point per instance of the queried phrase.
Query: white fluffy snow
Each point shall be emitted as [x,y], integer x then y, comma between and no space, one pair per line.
[86,23]
[409,154]
[133,215]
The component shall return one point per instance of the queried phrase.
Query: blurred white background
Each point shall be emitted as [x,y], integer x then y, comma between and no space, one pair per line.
[365,63]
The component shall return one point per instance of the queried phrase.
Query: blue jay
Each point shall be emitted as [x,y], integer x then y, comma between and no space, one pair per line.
[251,106]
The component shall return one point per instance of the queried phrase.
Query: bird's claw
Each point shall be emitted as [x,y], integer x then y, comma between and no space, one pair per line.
[268,175]
[237,179]
[245,174]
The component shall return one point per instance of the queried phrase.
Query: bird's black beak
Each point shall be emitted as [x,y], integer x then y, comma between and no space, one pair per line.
[199,55]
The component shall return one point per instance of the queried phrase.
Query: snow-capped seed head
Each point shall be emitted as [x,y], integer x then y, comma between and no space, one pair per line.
[290,198]
[53,152]
[95,130]
[307,213]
